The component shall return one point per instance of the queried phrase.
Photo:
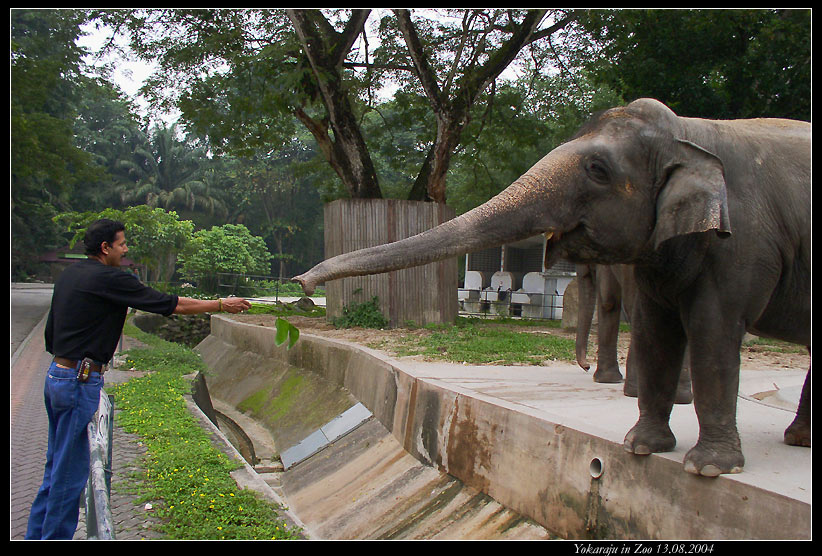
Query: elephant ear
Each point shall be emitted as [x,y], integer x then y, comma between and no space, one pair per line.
[693,198]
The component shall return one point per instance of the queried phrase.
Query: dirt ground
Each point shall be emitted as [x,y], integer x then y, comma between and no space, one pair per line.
[752,355]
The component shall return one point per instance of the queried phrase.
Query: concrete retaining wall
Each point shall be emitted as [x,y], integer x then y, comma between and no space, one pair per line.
[574,484]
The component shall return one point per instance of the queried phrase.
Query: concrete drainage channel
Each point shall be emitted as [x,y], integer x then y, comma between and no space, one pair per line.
[358,448]
[350,478]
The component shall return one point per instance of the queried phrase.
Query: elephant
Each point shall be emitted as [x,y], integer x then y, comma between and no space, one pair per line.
[610,289]
[715,218]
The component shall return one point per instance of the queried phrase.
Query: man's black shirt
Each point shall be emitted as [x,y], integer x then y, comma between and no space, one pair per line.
[89,306]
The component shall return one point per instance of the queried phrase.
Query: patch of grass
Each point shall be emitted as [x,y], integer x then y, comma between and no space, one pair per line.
[184,474]
[481,342]
[772,345]
[284,310]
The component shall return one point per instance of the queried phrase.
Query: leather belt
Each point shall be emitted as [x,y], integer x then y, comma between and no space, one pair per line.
[72,364]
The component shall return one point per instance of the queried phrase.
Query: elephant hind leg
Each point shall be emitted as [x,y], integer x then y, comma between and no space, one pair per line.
[799,432]
[609,309]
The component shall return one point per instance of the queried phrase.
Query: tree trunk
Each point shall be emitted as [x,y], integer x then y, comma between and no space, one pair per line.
[326,50]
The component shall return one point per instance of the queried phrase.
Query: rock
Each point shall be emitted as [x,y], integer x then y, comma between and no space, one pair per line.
[304,304]
[148,322]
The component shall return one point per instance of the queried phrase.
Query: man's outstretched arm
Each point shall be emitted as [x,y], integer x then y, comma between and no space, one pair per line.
[191,306]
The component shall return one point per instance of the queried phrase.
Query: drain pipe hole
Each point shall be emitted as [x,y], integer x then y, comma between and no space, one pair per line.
[596,468]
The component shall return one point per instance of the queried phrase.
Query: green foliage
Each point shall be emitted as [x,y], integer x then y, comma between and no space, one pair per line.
[229,248]
[45,164]
[185,475]
[286,332]
[708,63]
[364,315]
[169,172]
[154,236]
[45,67]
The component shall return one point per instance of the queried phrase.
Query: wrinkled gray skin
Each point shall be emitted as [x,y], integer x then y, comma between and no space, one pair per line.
[609,289]
[715,216]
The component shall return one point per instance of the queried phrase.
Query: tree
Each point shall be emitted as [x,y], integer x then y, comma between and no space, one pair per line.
[276,202]
[326,50]
[306,61]
[169,173]
[154,237]
[526,119]
[478,60]
[45,64]
[227,249]
[738,63]
[106,128]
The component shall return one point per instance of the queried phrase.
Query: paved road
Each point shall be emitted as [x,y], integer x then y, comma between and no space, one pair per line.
[28,303]
[28,425]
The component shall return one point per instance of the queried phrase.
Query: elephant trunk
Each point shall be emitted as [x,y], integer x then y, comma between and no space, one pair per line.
[512,215]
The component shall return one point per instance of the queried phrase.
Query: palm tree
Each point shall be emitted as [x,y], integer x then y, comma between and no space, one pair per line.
[171,174]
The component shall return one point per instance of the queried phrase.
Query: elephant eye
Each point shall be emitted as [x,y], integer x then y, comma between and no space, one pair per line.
[598,171]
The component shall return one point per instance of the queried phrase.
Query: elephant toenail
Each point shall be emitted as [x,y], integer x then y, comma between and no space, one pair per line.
[710,471]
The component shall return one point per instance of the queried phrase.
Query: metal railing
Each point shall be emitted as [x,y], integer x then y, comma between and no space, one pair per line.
[99,523]
[243,285]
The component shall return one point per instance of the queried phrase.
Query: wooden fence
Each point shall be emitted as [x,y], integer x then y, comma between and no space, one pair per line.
[422,295]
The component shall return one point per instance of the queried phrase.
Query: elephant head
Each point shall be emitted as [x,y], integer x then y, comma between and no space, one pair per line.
[623,185]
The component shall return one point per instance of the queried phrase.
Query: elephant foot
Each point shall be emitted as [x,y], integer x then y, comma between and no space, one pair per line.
[647,438]
[582,362]
[798,433]
[712,459]
[607,376]
[630,389]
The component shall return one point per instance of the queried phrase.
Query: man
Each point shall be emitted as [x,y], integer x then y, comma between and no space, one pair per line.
[88,310]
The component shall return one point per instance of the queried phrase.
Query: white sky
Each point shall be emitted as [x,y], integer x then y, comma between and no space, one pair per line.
[130,72]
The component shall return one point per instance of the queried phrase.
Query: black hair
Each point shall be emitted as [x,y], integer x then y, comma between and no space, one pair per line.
[99,231]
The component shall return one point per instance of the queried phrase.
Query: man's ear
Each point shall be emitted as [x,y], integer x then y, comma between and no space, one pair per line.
[693,197]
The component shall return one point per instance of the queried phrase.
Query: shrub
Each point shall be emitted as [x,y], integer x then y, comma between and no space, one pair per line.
[364,315]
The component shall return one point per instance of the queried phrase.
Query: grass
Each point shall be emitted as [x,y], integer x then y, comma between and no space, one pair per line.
[185,476]
[284,310]
[776,346]
[479,341]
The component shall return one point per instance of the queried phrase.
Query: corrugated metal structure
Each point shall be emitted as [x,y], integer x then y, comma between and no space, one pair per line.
[422,295]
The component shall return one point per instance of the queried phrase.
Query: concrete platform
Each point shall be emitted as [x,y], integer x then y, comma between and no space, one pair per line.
[543,442]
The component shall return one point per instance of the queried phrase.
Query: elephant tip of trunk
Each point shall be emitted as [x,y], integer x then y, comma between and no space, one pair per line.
[307,285]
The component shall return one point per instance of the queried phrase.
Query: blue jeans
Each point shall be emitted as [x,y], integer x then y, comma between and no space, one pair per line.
[70,405]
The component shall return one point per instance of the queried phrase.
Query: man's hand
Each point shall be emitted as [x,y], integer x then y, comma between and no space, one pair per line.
[235,305]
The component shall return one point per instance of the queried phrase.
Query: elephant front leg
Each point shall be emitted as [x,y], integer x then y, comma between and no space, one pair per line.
[714,358]
[657,348]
